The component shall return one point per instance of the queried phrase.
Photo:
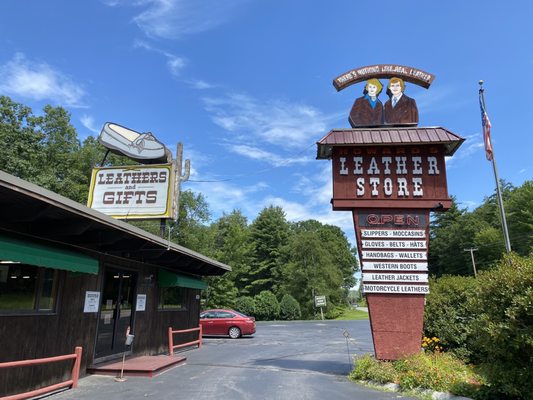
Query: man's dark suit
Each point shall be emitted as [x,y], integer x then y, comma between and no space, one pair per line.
[405,111]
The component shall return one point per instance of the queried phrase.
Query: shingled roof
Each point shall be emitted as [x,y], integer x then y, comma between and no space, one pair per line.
[386,136]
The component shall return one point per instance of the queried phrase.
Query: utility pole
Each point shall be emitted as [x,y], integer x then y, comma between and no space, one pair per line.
[471,250]
[181,175]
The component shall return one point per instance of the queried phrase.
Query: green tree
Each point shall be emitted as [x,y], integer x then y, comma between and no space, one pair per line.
[245,305]
[20,143]
[452,233]
[192,230]
[504,326]
[266,306]
[310,271]
[233,246]
[289,308]
[269,233]
[231,241]
[519,209]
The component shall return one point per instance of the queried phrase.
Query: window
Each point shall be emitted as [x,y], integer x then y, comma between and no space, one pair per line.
[173,298]
[224,314]
[26,288]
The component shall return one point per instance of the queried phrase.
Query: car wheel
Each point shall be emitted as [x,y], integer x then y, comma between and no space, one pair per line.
[234,332]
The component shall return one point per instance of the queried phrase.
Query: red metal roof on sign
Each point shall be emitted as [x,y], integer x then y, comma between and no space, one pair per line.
[388,136]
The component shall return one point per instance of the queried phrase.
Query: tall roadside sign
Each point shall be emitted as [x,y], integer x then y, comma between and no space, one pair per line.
[390,174]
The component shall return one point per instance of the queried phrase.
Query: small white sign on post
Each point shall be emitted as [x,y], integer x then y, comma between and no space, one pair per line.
[320,301]
[140,305]
[92,302]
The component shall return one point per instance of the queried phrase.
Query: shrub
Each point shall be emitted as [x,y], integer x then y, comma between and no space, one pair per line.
[367,368]
[435,371]
[449,313]
[289,308]
[504,327]
[245,305]
[266,306]
[334,312]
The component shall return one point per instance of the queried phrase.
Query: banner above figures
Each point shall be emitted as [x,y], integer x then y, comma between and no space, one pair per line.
[383,71]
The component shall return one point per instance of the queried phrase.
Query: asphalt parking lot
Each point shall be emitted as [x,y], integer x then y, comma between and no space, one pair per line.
[283,360]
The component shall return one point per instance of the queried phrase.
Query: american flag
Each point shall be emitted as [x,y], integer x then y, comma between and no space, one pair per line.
[485,121]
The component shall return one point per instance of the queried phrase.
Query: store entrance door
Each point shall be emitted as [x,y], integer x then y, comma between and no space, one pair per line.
[116,311]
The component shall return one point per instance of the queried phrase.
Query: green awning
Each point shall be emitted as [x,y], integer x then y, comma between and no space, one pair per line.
[168,279]
[33,253]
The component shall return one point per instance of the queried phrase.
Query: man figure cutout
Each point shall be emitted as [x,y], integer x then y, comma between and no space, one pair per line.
[399,109]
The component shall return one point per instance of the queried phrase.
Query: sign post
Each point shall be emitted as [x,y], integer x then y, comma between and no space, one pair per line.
[390,174]
[320,301]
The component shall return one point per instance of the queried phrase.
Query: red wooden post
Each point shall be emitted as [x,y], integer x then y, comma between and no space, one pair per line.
[200,338]
[170,342]
[76,367]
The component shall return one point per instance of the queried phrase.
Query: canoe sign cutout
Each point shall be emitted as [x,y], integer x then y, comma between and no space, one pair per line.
[140,147]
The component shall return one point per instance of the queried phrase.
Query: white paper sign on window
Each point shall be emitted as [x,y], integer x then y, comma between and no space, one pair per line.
[92,302]
[141,302]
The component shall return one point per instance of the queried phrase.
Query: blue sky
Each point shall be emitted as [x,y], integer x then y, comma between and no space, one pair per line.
[246,85]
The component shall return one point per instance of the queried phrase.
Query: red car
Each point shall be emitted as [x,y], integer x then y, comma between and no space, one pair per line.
[226,322]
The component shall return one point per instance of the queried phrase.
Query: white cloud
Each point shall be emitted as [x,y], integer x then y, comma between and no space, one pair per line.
[88,122]
[175,64]
[256,153]
[200,84]
[275,122]
[471,205]
[173,19]
[472,145]
[39,81]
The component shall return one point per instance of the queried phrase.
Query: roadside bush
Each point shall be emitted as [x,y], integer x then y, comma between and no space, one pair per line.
[449,313]
[289,308]
[245,305]
[504,327]
[266,306]
[435,371]
[442,372]
[367,368]
[334,312]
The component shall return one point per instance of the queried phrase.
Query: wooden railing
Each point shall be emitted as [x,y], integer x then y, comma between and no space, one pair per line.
[171,333]
[73,382]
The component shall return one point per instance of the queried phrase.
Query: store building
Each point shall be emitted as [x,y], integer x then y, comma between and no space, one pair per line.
[72,276]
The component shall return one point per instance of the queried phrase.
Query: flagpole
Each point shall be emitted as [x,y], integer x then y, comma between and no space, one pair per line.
[498,190]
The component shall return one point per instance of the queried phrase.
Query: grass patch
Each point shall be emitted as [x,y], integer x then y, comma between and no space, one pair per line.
[441,372]
[353,314]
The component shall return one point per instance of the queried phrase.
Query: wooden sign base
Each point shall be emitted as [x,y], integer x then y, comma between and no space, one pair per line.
[397,324]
